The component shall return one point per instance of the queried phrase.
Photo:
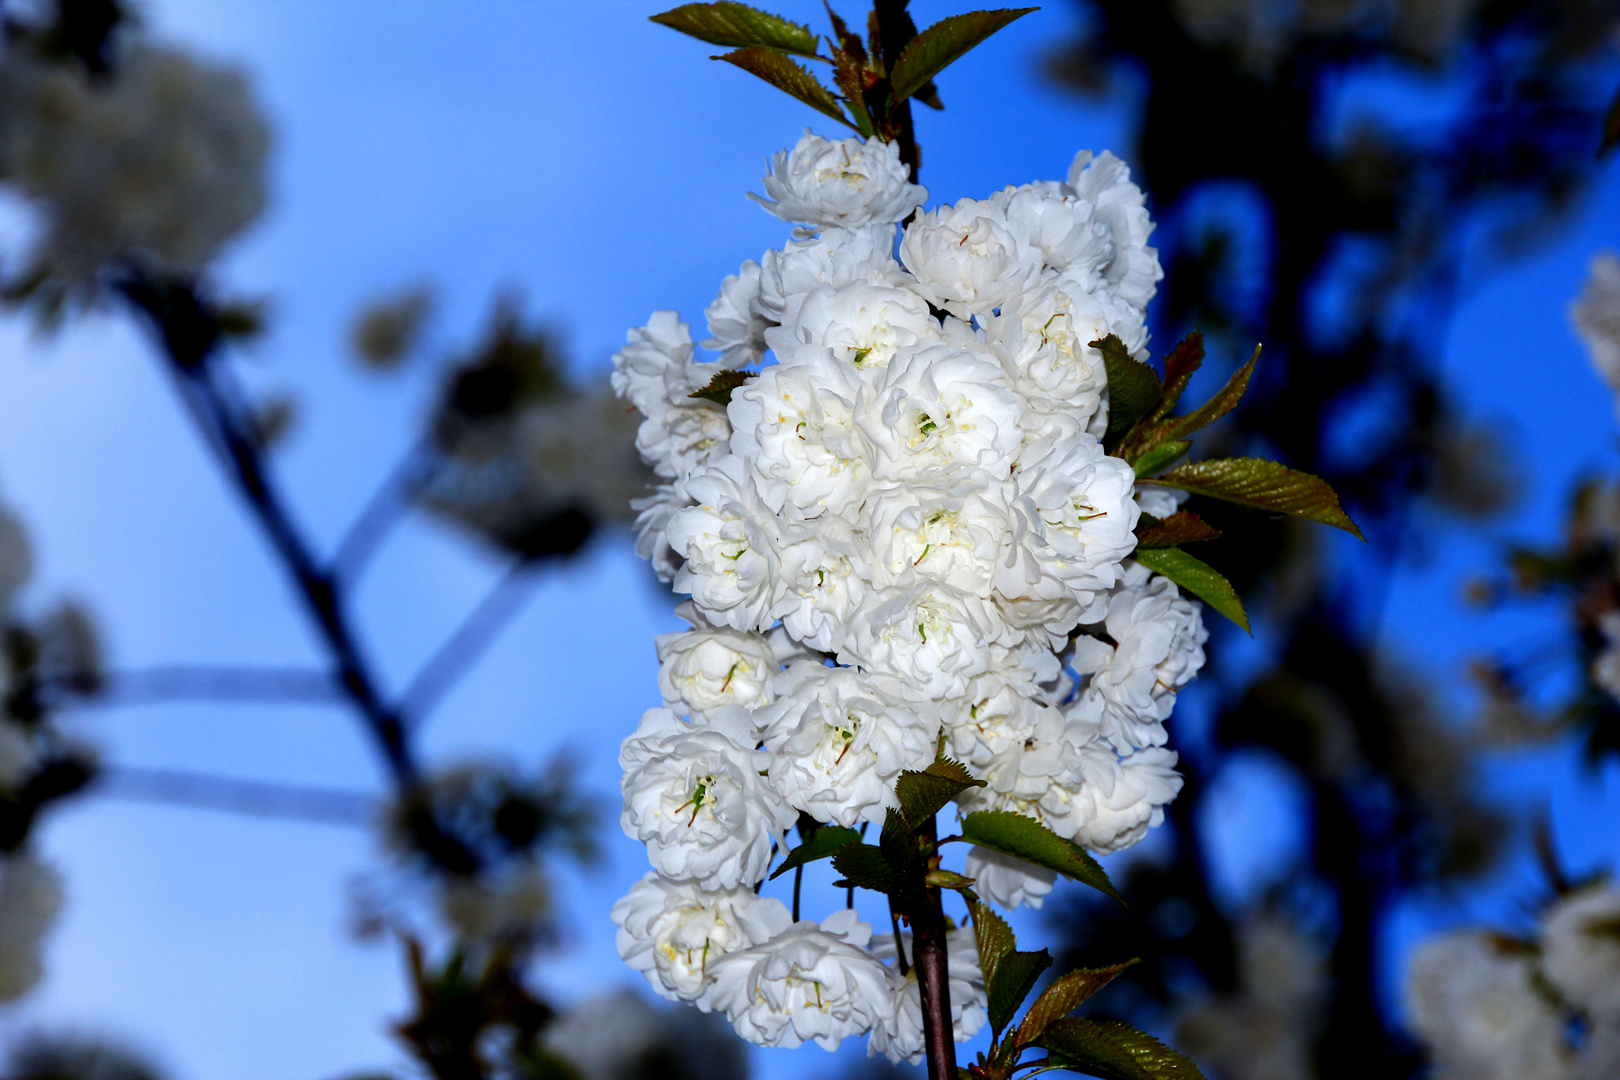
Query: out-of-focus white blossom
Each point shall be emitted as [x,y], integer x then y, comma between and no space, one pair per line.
[30,897]
[1267,1028]
[621,1036]
[841,184]
[808,983]
[673,932]
[1473,998]
[694,795]
[1580,951]
[1596,315]
[901,1038]
[1606,665]
[163,161]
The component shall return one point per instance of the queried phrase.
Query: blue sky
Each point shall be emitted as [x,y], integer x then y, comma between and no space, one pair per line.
[598,163]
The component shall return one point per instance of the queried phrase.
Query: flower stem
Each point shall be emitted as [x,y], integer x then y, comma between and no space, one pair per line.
[929,955]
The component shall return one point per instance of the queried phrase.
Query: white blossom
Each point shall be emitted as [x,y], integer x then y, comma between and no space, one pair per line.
[1606,665]
[807,983]
[901,1037]
[968,259]
[940,407]
[1146,783]
[1158,647]
[163,161]
[1597,316]
[839,739]
[694,795]
[796,425]
[736,556]
[863,324]
[1580,951]
[673,932]
[840,258]
[1105,182]
[1474,1001]
[708,667]
[842,183]
[656,372]
[1007,881]
[736,325]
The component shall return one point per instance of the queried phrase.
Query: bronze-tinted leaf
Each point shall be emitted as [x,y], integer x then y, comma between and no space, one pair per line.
[738,26]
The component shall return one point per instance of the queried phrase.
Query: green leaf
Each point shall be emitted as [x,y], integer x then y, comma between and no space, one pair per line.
[1179,367]
[1198,578]
[1133,387]
[1014,978]
[1114,1051]
[738,26]
[849,71]
[923,794]
[993,936]
[1265,485]
[1224,401]
[935,48]
[1027,839]
[1153,460]
[899,844]
[720,387]
[788,75]
[865,867]
[1181,527]
[824,843]
[1062,997]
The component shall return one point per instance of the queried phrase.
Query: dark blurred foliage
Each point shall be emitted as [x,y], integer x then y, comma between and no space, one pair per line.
[1339,234]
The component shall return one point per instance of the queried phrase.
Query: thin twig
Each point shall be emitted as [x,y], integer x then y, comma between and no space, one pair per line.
[328,806]
[200,682]
[463,648]
[386,507]
[929,952]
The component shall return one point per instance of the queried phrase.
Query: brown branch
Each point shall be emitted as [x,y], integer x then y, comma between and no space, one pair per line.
[929,955]
[386,507]
[191,336]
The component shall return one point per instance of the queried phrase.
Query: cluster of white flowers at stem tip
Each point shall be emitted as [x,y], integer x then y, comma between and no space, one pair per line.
[900,538]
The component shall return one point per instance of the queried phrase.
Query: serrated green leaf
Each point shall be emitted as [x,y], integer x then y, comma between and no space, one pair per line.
[1061,997]
[935,48]
[1197,577]
[1014,978]
[721,386]
[899,844]
[923,794]
[1027,839]
[1133,387]
[849,71]
[1159,457]
[1179,367]
[993,937]
[1224,401]
[1114,1051]
[738,26]
[864,866]
[788,75]
[824,843]
[1264,485]
[1181,527]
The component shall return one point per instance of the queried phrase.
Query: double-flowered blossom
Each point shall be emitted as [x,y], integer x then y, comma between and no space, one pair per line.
[902,538]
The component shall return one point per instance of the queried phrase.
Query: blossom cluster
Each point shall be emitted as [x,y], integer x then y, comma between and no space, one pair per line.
[161,161]
[901,537]
[1490,1007]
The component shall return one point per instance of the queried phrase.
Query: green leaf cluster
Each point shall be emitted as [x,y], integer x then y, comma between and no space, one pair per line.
[874,79]
[1095,1048]
[1143,431]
